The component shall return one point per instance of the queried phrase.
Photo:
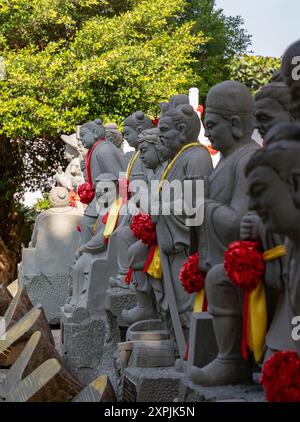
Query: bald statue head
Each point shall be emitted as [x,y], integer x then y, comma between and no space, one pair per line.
[175,101]
[134,125]
[290,70]
[274,180]
[177,127]
[229,116]
[272,106]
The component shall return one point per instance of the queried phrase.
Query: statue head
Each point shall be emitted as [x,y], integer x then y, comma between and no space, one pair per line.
[71,146]
[272,106]
[274,180]
[106,192]
[177,127]
[75,169]
[113,134]
[59,197]
[175,101]
[91,132]
[148,145]
[290,70]
[134,125]
[228,116]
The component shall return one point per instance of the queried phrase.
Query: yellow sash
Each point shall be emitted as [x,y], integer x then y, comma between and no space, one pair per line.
[164,176]
[155,268]
[131,164]
[199,301]
[112,218]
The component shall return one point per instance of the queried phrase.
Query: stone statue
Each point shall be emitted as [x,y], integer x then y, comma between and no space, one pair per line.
[51,252]
[133,126]
[272,106]
[291,72]
[106,186]
[228,126]
[72,177]
[143,284]
[179,128]
[273,180]
[106,158]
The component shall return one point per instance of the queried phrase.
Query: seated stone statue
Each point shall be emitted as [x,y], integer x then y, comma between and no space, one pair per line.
[133,126]
[143,284]
[228,126]
[51,252]
[106,191]
[105,158]
[179,128]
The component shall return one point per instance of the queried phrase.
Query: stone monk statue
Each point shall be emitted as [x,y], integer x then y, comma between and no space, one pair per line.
[228,126]
[106,158]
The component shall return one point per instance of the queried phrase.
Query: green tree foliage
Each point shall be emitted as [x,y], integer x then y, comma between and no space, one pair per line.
[253,71]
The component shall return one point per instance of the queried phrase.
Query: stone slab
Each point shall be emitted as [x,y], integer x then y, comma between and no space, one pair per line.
[190,392]
[151,384]
[118,299]
[49,290]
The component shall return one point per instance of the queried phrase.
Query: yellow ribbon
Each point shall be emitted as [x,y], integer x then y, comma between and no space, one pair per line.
[257,321]
[164,176]
[112,218]
[274,253]
[131,164]
[155,268]
[199,301]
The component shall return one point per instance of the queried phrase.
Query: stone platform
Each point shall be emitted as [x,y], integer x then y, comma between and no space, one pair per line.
[118,299]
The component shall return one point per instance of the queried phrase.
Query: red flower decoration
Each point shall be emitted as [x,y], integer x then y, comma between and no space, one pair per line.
[143,229]
[281,377]
[73,197]
[244,264]
[155,122]
[86,193]
[200,108]
[191,277]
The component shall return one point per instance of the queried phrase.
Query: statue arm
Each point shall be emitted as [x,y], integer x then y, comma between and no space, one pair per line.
[96,244]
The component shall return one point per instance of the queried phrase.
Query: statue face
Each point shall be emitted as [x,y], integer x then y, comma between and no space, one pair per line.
[171,137]
[70,153]
[75,169]
[87,137]
[131,136]
[268,113]
[219,132]
[149,155]
[272,199]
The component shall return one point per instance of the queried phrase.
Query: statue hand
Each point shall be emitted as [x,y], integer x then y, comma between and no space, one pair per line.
[250,226]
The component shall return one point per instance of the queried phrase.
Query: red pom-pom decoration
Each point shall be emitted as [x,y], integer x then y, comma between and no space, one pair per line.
[143,229]
[191,277]
[244,264]
[281,377]
[86,193]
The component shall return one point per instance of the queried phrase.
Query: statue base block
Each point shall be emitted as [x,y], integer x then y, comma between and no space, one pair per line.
[51,291]
[82,346]
[151,384]
[118,299]
[189,392]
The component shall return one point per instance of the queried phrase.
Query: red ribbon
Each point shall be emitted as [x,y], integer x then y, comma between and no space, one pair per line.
[129,276]
[149,259]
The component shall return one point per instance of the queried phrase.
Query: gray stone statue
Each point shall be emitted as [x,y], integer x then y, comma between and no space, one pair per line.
[106,158]
[179,129]
[133,126]
[106,187]
[228,126]
[113,134]
[273,180]
[143,284]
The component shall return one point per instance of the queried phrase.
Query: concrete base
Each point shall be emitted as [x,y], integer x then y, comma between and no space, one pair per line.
[151,385]
[51,291]
[118,299]
[82,346]
[190,392]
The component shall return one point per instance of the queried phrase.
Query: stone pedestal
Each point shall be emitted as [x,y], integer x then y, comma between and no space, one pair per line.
[49,290]
[151,384]
[82,346]
[190,392]
[118,299]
